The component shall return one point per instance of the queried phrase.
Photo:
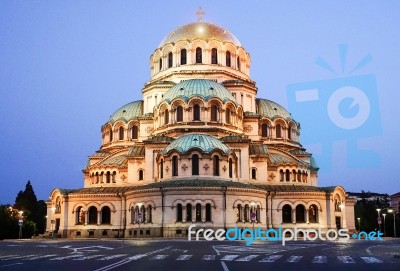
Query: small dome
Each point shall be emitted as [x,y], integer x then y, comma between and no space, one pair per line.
[205,143]
[203,88]
[272,110]
[199,30]
[127,112]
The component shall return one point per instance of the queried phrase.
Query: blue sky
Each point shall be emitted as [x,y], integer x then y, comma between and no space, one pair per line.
[66,66]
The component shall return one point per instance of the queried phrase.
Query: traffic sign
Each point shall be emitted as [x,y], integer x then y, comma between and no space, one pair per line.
[20,223]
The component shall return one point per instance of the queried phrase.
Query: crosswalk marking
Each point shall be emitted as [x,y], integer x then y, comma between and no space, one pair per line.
[371,260]
[184,257]
[229,257]
[112,257]
[159,257]
[271,259]
[246,258]
[208,258]
[294,259]
[346,259]
[320,259]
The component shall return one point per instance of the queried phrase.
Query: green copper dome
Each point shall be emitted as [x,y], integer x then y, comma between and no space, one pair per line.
[205,143]
[203,88]
[272,110]
[127,112]
[199,30]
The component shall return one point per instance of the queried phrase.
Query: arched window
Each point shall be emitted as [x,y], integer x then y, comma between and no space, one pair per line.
[196,112]
[183,57]
[160,64]
[198,212]
[199,55]
[101,177]
[278,131]
[228,116]
[134,132]
[258,213]
[121,133]
[216,165]
[282,175]
[300,214]
[195,164]
[175,166]
[246,213]
[208,212]
[289,132]
[140,175]
[299,175]
[253,173]
[287,175]
[313,214]
[179,212]
[108,177]
[97,177]
[133,215]
[294,175]
[238,63]
[214,56]
[230,166]
[179,113]
[189,212]
[228,58]
[113,177]
[149,214]
[92,215]
[80,215]
[169,60]
[287,214]
[239,213]
[264,130]
[214,113]
[105,215]
[111,135]
[166,116]
[162,169]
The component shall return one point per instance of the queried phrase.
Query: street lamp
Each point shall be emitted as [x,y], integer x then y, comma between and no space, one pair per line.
[384,225]
[394,221]
[253,214]
[359,224]
[53,210]
[379,218]
[20,221]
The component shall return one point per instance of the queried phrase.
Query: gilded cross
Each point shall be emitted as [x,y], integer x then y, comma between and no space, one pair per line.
[200,13]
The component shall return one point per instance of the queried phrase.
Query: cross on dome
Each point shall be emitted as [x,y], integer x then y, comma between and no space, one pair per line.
[200,13]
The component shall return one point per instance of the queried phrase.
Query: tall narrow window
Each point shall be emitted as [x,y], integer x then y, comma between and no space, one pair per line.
[278,131]
[92,215]
[214,113]
[287,214]
[239,213]
[198,212]
[214,56]
[140,175]
[111,135]
[246,213]
[300,213]
[253,173]
[162,169]
[238,63]
[113,177]
[282,175]
[195,164]
[179,212]
[228,116]
[287,175]
[97,177]
[199,55]
[299,175]
[135,132]
[80,215]
[179,113]
[230,168]
[196,112]
[166,116]
[189,212]
[216,165]
[208,212]
[149,215]
[183,57]
[294,175]
[160,64]
[289,132]
[228,58]
[105,215]
[121,133]
[169,60]
[108,177]
[175,166]
[313,214]
[264,130]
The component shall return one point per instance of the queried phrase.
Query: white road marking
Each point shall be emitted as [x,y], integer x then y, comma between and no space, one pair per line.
[208,258]
[5,257]
[65,257]
[87,257]
[159,257]
[294,259]
[41,257]
[42,246]
[10,264]
[19,257]
[368,250]
[345,259]
[371,260]
[112,257]
[224,266]
[320,259]
[184,257]
[229,257]
[270,259]
[246,258]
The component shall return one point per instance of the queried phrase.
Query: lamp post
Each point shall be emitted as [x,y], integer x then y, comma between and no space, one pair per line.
[253,214]
[20,222]
[384,225]
[379,218]
[359,223]
[394,221]
[53,210]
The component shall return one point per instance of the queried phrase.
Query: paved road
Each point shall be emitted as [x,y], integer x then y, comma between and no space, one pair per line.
[104,255]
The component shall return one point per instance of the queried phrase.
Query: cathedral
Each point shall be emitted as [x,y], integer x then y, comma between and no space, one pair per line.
[199,148]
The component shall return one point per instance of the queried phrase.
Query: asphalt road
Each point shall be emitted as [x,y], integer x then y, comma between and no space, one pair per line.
[172,254]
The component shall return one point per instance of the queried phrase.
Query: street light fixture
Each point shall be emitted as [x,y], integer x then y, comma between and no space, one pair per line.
[253,214]
[379,218]
[394,221]
[359,223]
[20,221]
[384,225]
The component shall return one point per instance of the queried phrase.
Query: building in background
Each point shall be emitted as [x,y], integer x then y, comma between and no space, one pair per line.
[200,148]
